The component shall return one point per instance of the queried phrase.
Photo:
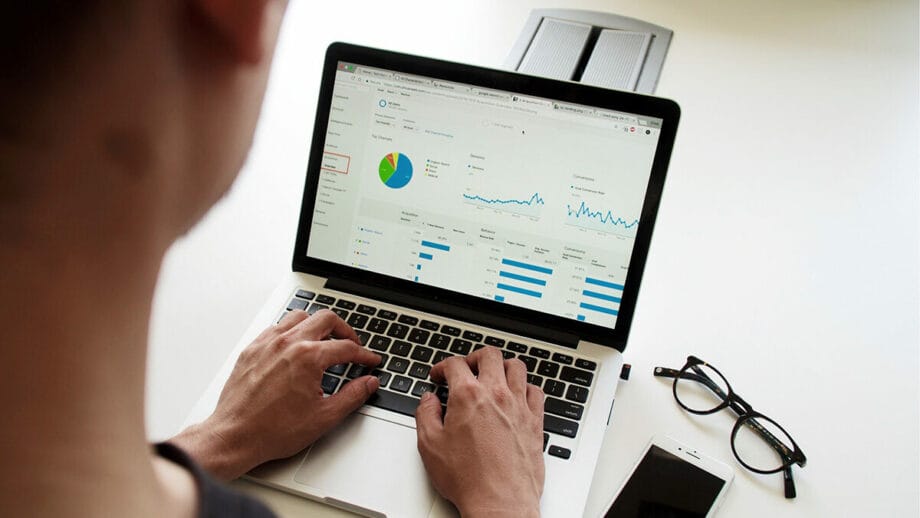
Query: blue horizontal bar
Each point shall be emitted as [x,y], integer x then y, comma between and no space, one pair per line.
[509,275]
[416,278]
[418,267]
[581,318]
[522,291]
[439,246]
[541,269]
[423,255]
[598,282]
[499,298]
[611,298]
[599,309]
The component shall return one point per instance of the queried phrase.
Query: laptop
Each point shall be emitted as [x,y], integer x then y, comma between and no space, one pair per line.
[447,208]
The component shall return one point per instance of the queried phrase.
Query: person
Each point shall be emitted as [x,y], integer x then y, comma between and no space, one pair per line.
[121,124]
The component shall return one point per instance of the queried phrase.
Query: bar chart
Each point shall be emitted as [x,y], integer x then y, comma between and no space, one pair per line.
[522,278]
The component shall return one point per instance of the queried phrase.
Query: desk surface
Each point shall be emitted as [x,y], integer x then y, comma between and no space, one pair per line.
[786,250]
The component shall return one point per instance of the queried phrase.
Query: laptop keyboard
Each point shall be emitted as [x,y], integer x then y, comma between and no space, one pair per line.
[409,346]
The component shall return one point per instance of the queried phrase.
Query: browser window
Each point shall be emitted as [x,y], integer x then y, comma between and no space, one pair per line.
[513,198]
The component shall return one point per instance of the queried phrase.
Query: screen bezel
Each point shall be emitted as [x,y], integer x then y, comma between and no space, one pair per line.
[564,91]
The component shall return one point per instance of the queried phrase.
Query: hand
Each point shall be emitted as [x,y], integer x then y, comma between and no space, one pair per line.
[487,455]
[272,406]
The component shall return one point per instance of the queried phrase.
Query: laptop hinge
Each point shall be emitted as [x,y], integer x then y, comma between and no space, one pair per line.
[456,312]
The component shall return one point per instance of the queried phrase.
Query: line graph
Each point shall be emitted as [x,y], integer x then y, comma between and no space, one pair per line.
[604,221]
[526,207]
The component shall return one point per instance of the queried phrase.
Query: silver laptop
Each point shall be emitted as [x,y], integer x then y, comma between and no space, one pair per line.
[447,208]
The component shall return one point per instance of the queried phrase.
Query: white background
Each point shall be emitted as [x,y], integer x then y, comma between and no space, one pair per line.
[785,252]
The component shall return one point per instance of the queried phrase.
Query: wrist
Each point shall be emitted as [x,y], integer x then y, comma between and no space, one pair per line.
[214,448]
[482,511]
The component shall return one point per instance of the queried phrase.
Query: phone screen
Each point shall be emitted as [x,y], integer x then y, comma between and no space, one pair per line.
[666,486]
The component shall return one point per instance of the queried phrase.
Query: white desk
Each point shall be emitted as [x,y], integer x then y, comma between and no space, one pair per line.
[786,250]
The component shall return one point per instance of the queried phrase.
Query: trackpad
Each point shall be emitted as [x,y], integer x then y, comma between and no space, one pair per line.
[371,464]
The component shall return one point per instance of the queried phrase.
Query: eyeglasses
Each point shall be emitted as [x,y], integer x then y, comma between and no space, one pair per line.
[759,443]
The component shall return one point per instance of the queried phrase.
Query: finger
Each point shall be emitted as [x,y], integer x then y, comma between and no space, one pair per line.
[489,363]
[535,399]
[350,397]
[428,420]
[291,319]
[325,323]
[516,374]
[335,352]
[452,370]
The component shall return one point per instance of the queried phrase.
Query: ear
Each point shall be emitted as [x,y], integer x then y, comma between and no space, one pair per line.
[245,25]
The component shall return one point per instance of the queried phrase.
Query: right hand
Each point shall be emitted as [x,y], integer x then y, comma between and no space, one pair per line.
[486,456]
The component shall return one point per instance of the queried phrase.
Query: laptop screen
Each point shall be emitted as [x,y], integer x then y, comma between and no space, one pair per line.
[509,197]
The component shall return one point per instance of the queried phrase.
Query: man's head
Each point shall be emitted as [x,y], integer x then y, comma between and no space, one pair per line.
[130,113]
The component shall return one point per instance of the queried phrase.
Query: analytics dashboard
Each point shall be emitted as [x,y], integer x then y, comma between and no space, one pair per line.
[518,199]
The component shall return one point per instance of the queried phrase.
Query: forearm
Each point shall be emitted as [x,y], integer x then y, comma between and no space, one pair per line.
[215,449]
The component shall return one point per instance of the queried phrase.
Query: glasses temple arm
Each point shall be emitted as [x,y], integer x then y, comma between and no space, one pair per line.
[788,482]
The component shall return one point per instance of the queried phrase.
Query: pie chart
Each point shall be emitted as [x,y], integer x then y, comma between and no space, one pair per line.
[395,170]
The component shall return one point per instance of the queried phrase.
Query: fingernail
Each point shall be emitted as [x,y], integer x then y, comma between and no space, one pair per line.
[373,384]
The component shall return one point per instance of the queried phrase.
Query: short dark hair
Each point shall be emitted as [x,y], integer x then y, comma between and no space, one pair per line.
[37,35]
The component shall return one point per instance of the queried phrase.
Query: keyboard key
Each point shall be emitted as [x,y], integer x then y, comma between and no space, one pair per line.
[398,330]
[563,408]
[429,325]
[533,379]
[421,387]
[363,337]
[545,440]
[585,364]
[539,353]
[401,348]
[548,369]
[337,369]
[478,347]
[340,312]
[297,304]
[563,358]
[356,371]
[399,365]
[329,383]
[387,314]
[401,384]
[367,310]
[377,325]
[554,388]
[517,347]
[576,376]
[382,376]
[558,425]
[558,451]
[497,342]
[472,335]
[507,355]
[576,393]
[422,353]
[379,343]
[419,336]
[441,356]
[529,361]
[316,307]
[325,299]
[439,341]
[383,360]
[408,320]
[357,320]
[304,294]
[442,393]
[450,330]
[396,402]
[419,370]
[461,346]
[345,304]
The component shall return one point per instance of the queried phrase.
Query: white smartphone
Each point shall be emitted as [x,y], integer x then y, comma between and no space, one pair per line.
[671,480]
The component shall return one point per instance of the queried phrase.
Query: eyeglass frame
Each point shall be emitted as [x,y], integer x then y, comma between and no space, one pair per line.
[745,413]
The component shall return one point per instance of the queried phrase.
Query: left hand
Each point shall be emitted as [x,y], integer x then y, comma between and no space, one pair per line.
[272,406]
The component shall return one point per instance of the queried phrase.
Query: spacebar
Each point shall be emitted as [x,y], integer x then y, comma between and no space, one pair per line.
[396,402]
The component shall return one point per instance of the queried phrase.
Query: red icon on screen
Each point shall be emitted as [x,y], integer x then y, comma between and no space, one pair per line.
[632,129]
